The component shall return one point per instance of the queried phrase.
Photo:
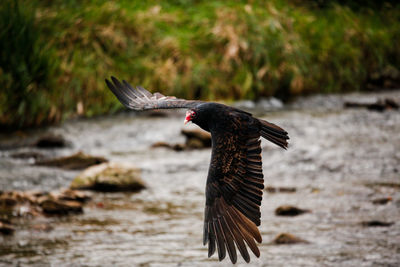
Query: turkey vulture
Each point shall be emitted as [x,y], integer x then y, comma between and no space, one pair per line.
[235,179]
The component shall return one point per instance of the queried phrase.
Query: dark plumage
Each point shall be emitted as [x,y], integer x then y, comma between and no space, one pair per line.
[235,179]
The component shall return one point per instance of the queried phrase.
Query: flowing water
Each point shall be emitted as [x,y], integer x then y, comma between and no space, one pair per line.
[339,160]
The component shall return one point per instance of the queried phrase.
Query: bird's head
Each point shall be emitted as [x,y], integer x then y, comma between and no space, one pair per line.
[201,115]
[190,115]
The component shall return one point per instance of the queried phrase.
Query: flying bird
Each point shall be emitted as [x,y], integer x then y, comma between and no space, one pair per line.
[235,179]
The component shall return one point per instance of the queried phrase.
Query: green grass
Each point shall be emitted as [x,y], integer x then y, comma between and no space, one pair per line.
[191,49]
[27,65]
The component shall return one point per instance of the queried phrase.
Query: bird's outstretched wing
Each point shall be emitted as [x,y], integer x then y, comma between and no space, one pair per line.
[140,99]
[233,194]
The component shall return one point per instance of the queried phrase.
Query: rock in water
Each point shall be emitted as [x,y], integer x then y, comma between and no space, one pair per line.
[77,161]
[286,238]
[6,229]
[51,141]
[161,144]
[376,223]
[378,105]
[29,203]
[381,201]
[75,195]
[176,147]
[109,177]
[7,200]
[28,155]
[197,138]
[289,211]
[56,206]
[193,143]
[271,189]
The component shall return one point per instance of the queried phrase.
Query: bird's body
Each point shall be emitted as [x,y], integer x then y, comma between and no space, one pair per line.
[235,179]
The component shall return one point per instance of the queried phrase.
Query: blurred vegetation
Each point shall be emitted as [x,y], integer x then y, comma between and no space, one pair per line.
[56,54]
[26,68]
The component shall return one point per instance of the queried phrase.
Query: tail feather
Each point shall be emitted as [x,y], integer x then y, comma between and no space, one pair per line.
[274,134]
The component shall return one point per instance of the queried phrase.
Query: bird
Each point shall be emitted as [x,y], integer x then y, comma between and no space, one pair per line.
[235,178]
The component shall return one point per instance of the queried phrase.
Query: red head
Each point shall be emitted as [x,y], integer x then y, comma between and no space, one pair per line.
[190,115]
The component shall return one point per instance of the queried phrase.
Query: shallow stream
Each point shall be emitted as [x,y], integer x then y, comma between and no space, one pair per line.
[339,160]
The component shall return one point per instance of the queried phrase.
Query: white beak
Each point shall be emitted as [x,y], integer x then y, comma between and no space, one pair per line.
[187,117]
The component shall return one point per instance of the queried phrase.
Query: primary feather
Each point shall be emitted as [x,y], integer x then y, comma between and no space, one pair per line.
[235,179]
[140,99]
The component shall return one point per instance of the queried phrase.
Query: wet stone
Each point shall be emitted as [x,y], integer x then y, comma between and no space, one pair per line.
[6,228]
[376,223]
[271,189]
[51,141]
[28,155]
[109,177]
[7,201]
[381,201]
[289,211]
[194,143]
[75,195]
[32,204]
[378,105]
[176,147]
[55,206]
[10,199]
[76,161]
[384,184]
[287,239]
[161,144]
[197,138]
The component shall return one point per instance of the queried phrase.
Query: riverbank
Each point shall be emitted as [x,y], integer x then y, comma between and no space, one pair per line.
[56,55]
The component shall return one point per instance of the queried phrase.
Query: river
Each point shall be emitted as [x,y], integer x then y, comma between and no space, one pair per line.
[339,160]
